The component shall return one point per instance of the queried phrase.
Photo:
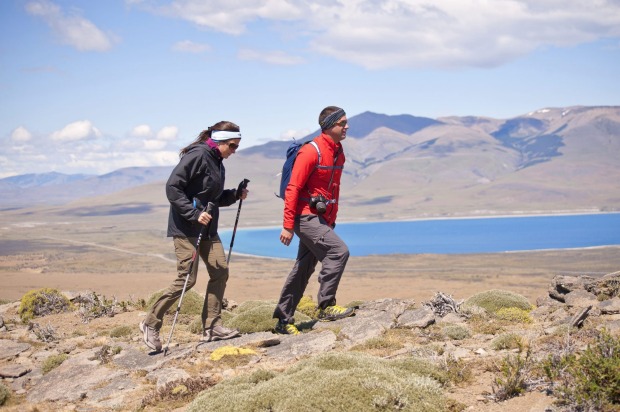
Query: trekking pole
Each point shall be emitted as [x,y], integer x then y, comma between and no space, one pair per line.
[242,186]
[208,209]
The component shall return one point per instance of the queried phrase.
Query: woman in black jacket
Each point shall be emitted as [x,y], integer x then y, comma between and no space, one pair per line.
[195,181]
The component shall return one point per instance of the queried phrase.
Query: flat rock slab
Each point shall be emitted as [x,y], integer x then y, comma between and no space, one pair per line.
[259,340]
[134,359]
[610,306]
[10,349]
[366,325]
[79,378]
[417,318]
[13,371]
[295,347]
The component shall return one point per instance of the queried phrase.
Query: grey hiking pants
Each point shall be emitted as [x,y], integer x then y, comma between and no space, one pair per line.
[317,242]
[212,252]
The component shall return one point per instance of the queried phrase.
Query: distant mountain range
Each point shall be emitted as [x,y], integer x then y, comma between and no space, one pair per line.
[57,188]
[549,160]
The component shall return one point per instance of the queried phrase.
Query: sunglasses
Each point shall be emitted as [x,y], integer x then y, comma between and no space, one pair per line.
[233,146]
[341,123]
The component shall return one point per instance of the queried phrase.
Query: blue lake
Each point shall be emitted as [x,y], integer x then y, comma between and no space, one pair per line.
[448,236]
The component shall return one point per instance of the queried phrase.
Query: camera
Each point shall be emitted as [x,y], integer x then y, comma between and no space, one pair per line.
[319,203]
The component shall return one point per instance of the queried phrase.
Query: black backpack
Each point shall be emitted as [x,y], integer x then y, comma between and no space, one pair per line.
[287,168]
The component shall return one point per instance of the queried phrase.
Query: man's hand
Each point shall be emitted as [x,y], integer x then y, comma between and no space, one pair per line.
[286,236]
[204,218]
[244,193]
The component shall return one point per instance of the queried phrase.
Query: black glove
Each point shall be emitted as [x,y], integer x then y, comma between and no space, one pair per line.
[242,185]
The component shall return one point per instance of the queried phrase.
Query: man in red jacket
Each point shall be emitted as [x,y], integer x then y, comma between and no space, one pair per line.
[310,210]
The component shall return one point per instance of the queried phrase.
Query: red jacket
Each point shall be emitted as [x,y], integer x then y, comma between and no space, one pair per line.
[309,180]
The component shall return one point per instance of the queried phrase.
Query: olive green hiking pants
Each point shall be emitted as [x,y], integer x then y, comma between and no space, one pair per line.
[212,252]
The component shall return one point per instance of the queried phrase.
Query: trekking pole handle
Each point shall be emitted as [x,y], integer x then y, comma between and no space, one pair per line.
[242,185]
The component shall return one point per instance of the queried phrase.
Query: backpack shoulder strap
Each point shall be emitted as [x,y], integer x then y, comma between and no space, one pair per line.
[316,146]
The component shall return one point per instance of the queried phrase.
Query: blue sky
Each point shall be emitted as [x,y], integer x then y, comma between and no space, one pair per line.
[92,86]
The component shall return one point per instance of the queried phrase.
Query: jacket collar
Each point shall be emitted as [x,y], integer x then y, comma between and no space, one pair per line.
[330,142]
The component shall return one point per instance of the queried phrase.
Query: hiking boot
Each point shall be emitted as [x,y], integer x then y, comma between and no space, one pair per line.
[334,312]
[219,333]
[286,329]
[150,336]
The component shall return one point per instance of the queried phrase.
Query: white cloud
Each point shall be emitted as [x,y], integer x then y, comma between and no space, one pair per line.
[276,57]
[227,16]
[71,29]
[142,130]
[21,135]
[168,133]
[291,134]
[154,144]
[188,46]
[75,131]
[380,34]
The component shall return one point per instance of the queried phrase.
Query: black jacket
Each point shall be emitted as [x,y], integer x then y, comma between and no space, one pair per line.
[199,175]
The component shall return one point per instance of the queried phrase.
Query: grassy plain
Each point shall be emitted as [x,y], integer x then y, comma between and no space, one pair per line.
[118,248]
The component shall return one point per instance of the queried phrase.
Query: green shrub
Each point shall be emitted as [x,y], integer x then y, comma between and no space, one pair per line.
[252,304]
[335,382]
[508,341]
[53,362]
[192,303]
[175,394]
[515,373]
[308,307]
[494,300]
[383,344]
[5,394]
[41,302]
[120,331]
[485,324]
[591,381]
[258,318]
[231,356]
[514,315]
[456,369]
[456,332]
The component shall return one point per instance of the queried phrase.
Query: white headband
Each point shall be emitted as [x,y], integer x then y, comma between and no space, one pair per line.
[221,135]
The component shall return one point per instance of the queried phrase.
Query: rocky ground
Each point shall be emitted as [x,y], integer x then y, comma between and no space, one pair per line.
[107,367]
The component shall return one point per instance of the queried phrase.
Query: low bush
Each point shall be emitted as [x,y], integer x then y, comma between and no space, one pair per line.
[514,315]
[308,307]
[120,331]
[515,375]
[53,362]
[257,317]
[457,370]
[456,332]
[391,340]
[91,306]
[5,394]
[223,351]
[590,382]
[508,341]
[175,394]
[335,382]
[494,300]
[231,356]
[41,302]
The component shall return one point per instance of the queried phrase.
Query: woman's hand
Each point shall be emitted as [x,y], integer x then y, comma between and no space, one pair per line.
[244,193]
[204,218]
[286,236]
